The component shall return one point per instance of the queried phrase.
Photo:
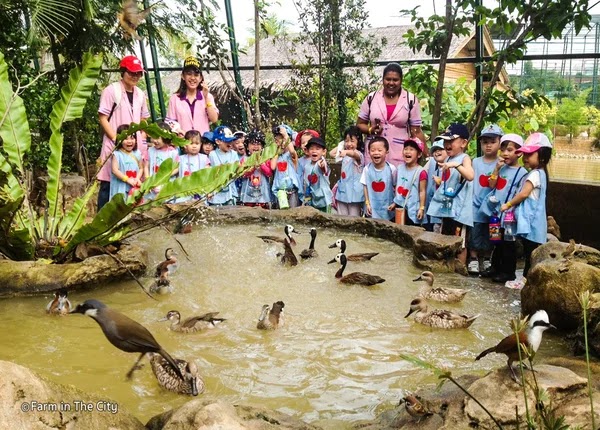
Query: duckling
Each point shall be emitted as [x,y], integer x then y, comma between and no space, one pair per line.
[274,319]
[192,383]
[169,265]
[448,295]
[357,278]
[162,285]
[60,305]
[288,230]
[310,252]
[192,324]
[438,318]
[288,256]
[365,256]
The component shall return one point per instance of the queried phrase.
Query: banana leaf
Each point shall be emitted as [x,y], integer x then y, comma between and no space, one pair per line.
[72,222]
[70,106]
[153,130]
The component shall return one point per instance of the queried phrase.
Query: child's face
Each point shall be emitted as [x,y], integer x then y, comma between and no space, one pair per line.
[315,152]
[378,152]
[304,140]
[350,143]
[158,143]
[129,143]
[455,146]
[224,146]
[411,155]
[278,139]
[439,155]
[239,146]
[254,146]
[508,152]
[531,161]
[490,146]
[192,148]
[207,147]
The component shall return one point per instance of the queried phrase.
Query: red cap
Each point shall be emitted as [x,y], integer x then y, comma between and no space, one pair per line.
[132,64]
[313,133]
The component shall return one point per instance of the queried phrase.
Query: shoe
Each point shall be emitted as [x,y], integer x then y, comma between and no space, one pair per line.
[487,265]
[489,273]
[517,284]
[473,267]
[503,277]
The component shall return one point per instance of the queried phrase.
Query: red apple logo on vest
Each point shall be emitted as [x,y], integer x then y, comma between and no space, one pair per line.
[378,186]
[313,178]
[402,191]
[501,183]
[343,175]
[187,173]
[282,166]
[484,181]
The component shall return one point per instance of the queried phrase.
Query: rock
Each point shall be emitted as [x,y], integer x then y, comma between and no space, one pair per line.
[437,252]
[206,414]
[593,333]
[72,187]
[553,227]
[554,251]
[20,388]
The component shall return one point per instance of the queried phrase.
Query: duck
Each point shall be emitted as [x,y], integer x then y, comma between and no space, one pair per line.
[439,294]
[438,318]
[288,230]
[169,265]
[271,317]
[288,257]
[191,384]
[311,251]
[365,256]
[162,285]
[184,225]
[192,324]
[60,304]
[357,278]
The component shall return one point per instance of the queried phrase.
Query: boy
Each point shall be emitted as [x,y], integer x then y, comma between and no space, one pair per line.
[434,178]
[223,154]
[317,192]
[480,247]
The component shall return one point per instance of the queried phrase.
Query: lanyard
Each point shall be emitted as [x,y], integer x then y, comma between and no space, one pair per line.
[460,187]
[513,183]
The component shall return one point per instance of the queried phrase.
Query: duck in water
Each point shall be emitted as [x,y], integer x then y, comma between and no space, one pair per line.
[365,256]
[439,294]
[438,318]
[191,384]
[192,324]
[271,317]
[310,252]
[60,304]
[357,278]
[288,230]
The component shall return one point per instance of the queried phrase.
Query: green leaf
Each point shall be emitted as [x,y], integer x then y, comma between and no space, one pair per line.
[72,222]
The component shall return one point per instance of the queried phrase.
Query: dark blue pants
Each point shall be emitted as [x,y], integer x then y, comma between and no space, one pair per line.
[103,194]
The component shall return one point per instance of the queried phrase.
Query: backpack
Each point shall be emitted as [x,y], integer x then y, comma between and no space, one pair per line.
[117,93]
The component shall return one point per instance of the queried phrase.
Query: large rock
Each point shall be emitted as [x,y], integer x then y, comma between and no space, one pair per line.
[437,253]
[30,402]
[205,414]
[554,251]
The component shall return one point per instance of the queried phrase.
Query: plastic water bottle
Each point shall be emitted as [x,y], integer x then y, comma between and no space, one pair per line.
[495,235]
[510,226]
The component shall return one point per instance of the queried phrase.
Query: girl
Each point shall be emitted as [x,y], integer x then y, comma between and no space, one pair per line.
[350,193]
[530,200]
[434,179]
[317,191]
[126,165]
[192,160]
[411,183]
[301,140]
[255,184]
[224,154]
[378,180]
[208,143]
[160,151]
[285,166]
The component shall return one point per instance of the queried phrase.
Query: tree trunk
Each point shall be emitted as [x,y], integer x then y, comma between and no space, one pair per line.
[338,64]
[257,115]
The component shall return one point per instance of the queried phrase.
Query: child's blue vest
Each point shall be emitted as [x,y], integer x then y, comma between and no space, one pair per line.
[531,214]
[350,190]
[255,188]
[286,177]
[317,184]
[157,156]
[228,193]
[128,165]
[505,190]
[482,171]
[189,164]
[407,184]
[454,197]
[432,170]
[380,200]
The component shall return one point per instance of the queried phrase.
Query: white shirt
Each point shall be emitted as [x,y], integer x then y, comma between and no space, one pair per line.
[534,178]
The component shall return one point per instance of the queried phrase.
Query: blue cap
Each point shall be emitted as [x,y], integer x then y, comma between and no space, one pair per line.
[491,130]
[454,131]
[437,144]
[224,134]
[209,135]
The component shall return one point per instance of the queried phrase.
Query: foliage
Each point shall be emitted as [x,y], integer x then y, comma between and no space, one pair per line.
[572,113]
[544,81]
[538,117]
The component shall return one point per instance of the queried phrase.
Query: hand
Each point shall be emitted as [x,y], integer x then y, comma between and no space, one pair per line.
[437,180]
[368,209]
[321,163]
[504,207]
[499,165]
[204,90]
[392,207]
[378,128]
[450,165]
[420,214]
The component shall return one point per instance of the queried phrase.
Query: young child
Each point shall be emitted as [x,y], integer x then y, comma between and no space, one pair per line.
[160,151]
[285,166]
[239,144]
[317,191]
[504,181]
[208,143]
[301,140]
[192,160]
[453,200]
[411,183]
[378,180]
[434,178]
[530,200]
[224,154]
[255,184]
[350,194]
[480,247]
[127,167]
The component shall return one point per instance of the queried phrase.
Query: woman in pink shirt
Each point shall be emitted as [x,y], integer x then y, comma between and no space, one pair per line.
[391,112]
[192,106]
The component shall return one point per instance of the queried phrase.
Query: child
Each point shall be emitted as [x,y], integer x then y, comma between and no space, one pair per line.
[411,183]
[127,165]
[378,180]
[479,243]
[530,200]
[208,143]
[434,179]
[301,140]
[285,166]
[350,192]
[157,154]
[504,181]
[239,144]
[192,160]
[317,191]
[224,154]
[255,184]
[453,200]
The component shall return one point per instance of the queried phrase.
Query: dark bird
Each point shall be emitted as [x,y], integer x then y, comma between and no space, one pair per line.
[169,265]
[415,408]
[531,336]
[438,318]
[439,294]
[60,304]
[310,252]
[192,383]
[357,278]
[288,230]
[192,324]
[184,225]
[124,333]
[365,256]
[130,17]
[288,257]
[271,317]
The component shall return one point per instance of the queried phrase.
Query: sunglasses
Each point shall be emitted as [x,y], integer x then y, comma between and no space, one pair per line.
[135,74]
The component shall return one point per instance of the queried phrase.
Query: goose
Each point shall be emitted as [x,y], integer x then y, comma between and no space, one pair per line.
[439,294]
[357,278]
[192,383]
[438,318]
[365,256]
[310,252]
[288,230]
[60,304]
[169,265]
[192,324]
[271,317]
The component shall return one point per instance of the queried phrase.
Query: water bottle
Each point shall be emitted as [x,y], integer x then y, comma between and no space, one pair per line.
[495,235]
[510,226]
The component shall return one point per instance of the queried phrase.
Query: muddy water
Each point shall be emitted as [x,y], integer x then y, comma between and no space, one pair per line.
[336,358]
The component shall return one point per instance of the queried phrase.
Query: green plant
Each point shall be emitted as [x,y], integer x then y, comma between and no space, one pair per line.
[572,113]
[584,301]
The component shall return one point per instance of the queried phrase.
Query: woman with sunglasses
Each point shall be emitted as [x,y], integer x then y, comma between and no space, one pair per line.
[192,106]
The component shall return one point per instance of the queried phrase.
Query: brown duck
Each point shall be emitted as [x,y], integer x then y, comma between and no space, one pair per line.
[365,256]
[192,324]
[310,252]
[169,265]
[191,384]
[357,278]
[60,304]
[288,230]
[271,317]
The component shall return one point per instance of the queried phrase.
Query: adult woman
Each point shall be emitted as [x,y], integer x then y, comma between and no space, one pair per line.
[393,113]
[192,106]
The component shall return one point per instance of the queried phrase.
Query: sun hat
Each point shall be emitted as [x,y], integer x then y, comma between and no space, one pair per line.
[298,140]
[239,134]
[454,131]
[175,126]
[132,64]
[512,137]
[224,134]
[534,142]
[209,135]
[416,142]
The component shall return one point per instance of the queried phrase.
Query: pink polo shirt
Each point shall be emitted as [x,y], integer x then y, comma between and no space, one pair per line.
[179,110]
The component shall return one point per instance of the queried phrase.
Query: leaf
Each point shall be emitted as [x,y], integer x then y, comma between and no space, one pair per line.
[72,222]
[153,130]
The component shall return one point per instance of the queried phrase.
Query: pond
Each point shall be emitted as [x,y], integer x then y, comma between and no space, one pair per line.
[335,360]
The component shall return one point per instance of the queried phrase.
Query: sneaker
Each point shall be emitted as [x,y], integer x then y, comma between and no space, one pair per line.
[487,265]
[490,273]
[517,284]
[473,267]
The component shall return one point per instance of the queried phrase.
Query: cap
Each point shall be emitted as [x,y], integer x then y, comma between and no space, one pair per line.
[209,135]
[313,133]
[132,64]
[437,144]
[316,141]
[191,63]
[416,142]
[175,126]
[454,131]
[491,130]
[223,134]
[239,134]
[534,142]
[512,137]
